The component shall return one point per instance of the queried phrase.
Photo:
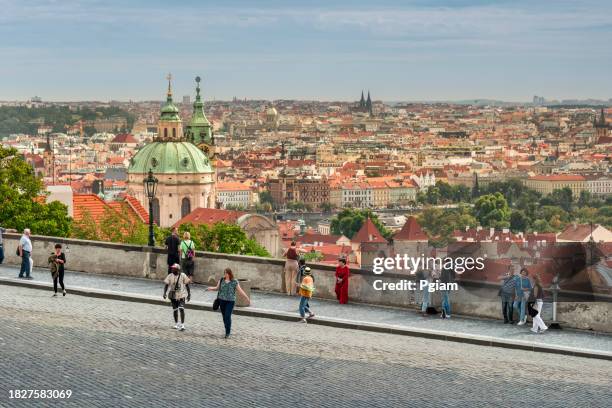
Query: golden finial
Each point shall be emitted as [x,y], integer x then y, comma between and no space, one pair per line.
[169,78]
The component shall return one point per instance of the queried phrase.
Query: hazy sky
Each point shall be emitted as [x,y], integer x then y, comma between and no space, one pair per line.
[327,50]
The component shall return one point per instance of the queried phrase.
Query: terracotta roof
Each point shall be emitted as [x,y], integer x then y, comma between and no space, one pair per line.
[88,203]
[579,233]
[558,177]
[210,216]
[124,138]
[310,238]
[137,208]
[411,231]
[368,233]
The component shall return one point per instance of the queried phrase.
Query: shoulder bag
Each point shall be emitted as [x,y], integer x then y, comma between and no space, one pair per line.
[217,302]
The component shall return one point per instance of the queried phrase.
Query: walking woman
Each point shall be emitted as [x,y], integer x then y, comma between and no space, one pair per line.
[291,268]
[342,278]
[227,288]
[57,260]
[538,294]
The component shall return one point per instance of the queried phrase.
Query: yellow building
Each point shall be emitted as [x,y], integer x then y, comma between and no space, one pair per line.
[546,184]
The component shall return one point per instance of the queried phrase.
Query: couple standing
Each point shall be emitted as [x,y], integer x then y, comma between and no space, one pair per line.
[181,252]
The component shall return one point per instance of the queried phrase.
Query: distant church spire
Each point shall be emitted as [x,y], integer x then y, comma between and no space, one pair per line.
[369,103]
[169,78]
[362,102]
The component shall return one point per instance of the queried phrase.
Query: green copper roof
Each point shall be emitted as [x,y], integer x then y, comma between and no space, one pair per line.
[199,129]
[170,158]
[169,111]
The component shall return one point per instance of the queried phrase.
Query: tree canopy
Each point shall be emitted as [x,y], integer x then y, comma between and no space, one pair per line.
[21,201]
[349,221]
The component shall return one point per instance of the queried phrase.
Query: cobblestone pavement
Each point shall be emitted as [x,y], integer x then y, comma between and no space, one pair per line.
[326,308]
[118,354]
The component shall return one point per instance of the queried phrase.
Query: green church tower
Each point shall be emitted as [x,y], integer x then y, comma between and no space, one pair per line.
[199,130]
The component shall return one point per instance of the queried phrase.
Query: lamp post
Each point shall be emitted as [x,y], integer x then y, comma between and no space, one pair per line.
[150,184]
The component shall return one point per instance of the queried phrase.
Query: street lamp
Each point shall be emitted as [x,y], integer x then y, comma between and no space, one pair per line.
[150,188]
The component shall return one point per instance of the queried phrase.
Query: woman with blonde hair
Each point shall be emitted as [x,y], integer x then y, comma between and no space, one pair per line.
[187,254]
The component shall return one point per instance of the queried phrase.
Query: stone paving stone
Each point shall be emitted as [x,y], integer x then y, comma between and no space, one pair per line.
[357,312]
[112,353]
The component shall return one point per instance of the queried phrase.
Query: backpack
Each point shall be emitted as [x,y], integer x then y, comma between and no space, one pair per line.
[190,253]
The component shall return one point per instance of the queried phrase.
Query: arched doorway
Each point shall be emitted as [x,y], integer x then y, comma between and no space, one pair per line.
[185,207]
[156,211]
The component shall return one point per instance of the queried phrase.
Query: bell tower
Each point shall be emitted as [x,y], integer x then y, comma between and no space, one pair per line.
[170,126]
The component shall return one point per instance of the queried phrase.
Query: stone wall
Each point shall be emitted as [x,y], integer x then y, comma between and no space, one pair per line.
[472,299]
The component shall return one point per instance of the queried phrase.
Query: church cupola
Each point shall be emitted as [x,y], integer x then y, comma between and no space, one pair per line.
[170,127]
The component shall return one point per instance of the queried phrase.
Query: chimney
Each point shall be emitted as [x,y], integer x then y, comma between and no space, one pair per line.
[575,225]
[491,231]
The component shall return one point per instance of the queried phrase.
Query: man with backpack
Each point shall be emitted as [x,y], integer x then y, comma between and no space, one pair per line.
[187,254]
[506,292]
[179,292]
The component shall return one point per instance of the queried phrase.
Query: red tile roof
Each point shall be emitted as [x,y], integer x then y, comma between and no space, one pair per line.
[411,231]
[137,208]
[124,138]
[210,216]
[368,233]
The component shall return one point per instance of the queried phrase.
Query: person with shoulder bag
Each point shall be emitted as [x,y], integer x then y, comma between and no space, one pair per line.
[506,292]
[179,292]
[227,287]
[538,294]
[187,255]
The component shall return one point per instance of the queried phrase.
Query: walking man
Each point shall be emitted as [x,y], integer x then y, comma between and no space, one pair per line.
[25,250]
[178,283]
[172,246]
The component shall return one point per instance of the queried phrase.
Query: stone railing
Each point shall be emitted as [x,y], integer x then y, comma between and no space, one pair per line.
[472,299]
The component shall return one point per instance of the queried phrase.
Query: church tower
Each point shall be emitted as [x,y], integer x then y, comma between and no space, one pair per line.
[601,126]
[368,104]
[199,130]
[48,160]
[170,126]
[186,176]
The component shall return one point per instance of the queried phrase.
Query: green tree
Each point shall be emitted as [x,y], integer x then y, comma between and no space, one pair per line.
[563,198]
[492,210]
[327,207]
[223,238]
[439,224]
[85,227]
[21,201]
[349,221]
[518,221]
[313,256]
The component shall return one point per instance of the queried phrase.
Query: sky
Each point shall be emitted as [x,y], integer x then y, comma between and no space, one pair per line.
[312,50]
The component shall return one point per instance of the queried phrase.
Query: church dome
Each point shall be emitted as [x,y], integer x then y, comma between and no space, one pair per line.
[271,111]
[170,158]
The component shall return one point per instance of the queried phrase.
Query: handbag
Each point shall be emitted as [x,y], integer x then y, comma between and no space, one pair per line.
[533,312]
[217,301]
[172,293]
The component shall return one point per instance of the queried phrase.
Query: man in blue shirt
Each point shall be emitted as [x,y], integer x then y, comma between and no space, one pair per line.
[523,288]
[25,250]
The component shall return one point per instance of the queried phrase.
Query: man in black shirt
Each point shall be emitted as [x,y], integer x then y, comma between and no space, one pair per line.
[172,245]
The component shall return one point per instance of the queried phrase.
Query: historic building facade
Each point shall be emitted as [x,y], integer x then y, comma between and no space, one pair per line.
[186,178]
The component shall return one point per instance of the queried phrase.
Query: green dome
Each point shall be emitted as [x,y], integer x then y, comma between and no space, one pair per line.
[170,158]
[169,112]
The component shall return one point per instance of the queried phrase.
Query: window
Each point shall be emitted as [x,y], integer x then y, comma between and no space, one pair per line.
[165,133]
[174,133]
[185,207]
[156,210]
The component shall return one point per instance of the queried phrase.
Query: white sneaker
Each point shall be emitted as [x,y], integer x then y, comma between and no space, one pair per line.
[522,322]
[534,330]
[302,321]
[177,326]
[182,328]
[545,328]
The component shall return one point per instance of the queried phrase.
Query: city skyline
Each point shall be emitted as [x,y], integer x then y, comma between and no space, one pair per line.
[415,51]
